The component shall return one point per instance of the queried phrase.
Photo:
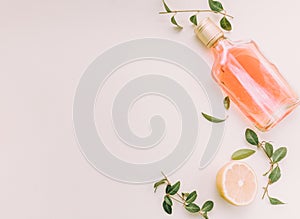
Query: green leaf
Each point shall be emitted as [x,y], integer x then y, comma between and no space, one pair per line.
[207,206]
[166,7]
[174,188]
[192,207]
[212,119]
[193,19]
[215,5]
[279,154]
[275,201]
[185,194]
[251,137]
[173,21]
[168,188]
[167,208]
[168,200]
[226,102]
[225,24]
[191,197]
[242,154]
[204,215]
[269,149]
[157,184]
[275,175]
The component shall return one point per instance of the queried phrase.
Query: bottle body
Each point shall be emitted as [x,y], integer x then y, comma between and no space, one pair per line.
[252,82]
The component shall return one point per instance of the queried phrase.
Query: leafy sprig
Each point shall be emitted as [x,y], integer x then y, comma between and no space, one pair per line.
[274,157]
[215,7]
[186,199]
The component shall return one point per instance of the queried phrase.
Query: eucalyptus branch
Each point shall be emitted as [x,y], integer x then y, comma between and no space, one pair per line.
[274,157]
[196,11]
[215,7]
[186,199]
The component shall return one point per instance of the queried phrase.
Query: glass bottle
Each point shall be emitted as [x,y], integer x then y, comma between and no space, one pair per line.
[252,82]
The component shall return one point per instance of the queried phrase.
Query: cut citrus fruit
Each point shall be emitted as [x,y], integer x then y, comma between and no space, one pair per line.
[236,183]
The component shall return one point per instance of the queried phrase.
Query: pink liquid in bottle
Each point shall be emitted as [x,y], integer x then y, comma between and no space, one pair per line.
[252,82]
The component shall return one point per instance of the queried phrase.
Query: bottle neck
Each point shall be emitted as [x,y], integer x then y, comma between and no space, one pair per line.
[218,44]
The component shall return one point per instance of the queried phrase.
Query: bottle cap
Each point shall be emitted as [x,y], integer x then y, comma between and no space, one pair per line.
[208,32]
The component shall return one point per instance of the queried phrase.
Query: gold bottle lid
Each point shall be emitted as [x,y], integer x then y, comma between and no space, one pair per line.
[208,32]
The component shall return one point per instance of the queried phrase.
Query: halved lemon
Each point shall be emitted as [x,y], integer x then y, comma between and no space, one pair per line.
[236,183]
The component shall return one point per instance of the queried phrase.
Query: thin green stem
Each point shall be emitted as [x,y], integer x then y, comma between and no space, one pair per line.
[266,190]
[270,169]
[261,146]
[180,196]
[195,10]
[166,178]
[202,213]
[175,199]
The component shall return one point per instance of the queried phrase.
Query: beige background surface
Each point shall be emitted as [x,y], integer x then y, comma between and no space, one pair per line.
[45,46]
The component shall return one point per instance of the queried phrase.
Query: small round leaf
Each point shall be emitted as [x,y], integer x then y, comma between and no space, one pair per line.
[192,207]
[168,200]
[191,197]
[212,119]
[269,149]
[251,137]
[174,188]
[167,208]
[279,154]
[242,154]
[275,201]
[193,19]
[225,24]
[275,175]
[207,206]
[168,188]
[173,21]
[226,102]
[215,5]
[157,184]
[166,7]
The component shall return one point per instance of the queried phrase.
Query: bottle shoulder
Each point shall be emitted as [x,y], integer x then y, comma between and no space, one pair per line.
[227,45]
[227,48]
[241,55]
